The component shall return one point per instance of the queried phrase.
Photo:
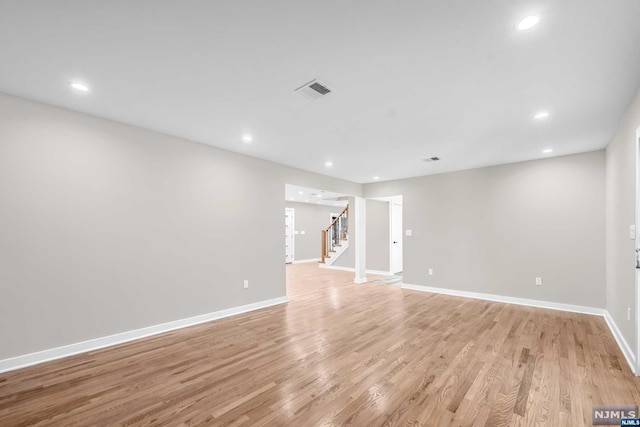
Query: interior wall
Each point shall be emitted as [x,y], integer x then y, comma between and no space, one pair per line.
[108,228]
[620,249]
[310,219]
[377,232]
[494,230]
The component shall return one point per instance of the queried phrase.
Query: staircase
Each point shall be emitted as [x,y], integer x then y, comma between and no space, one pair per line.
[335,238]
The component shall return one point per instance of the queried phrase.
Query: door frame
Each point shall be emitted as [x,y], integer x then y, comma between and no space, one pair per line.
[637,246]
[401,242]
[293,234]
[391,200]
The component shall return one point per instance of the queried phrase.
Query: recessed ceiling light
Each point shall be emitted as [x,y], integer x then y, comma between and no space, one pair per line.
[541,115]
[528,22]
[300,192]
[547,151]
[376,178]
[247,138]
[328,164]
[79,86]
[307,200]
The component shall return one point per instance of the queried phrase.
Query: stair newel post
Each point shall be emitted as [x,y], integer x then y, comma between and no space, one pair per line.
[323,246]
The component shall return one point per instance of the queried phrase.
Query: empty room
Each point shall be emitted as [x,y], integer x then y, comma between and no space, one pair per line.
[297,213]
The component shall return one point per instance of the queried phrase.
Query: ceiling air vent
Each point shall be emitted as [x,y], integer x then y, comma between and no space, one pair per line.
[313,90]
[431,159]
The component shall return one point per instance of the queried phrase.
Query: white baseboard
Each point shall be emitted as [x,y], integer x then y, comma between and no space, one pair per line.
[302,261]
[508,300]
[98,343]
[23,361]
[617,335]
[622,343]
[353,270]
[380,272]
[337,267]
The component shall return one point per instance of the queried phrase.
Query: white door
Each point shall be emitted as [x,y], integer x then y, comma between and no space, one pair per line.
[396,238]
[288,235]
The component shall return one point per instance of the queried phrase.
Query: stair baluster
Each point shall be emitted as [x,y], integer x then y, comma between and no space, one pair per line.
[332,235]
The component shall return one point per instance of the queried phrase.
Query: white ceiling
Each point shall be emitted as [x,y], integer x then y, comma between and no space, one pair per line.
[412,79]
[296,193]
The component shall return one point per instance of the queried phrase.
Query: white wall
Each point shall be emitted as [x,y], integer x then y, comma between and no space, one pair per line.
[106,228]
[621,187]
[493,230]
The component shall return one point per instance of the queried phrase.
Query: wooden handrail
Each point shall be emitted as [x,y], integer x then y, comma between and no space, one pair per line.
[337,218]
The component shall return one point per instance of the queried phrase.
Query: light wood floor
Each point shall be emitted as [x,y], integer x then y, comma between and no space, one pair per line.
[340,354]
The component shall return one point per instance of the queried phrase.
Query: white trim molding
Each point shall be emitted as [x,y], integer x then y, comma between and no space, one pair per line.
[380,272]
[303,261]
[508,300]
[637,247]
[336,267]
[353,270]
[617,335]
[622,343]
[23,361]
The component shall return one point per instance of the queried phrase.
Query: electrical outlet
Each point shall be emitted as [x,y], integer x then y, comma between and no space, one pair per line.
[628,313]
[431,272]
[538,281]
[246,284]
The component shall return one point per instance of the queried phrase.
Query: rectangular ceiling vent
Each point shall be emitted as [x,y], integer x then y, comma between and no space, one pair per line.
[431,159]
[313,90]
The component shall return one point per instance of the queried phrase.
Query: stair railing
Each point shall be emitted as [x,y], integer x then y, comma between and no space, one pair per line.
[332,235]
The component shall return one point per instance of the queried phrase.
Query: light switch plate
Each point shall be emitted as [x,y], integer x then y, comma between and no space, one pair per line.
[632,232]
[408,233]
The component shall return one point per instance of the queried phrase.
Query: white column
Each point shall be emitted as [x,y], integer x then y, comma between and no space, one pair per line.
[360,239]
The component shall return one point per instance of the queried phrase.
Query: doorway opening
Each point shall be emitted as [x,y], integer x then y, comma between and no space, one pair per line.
[385,224]
[315,211]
